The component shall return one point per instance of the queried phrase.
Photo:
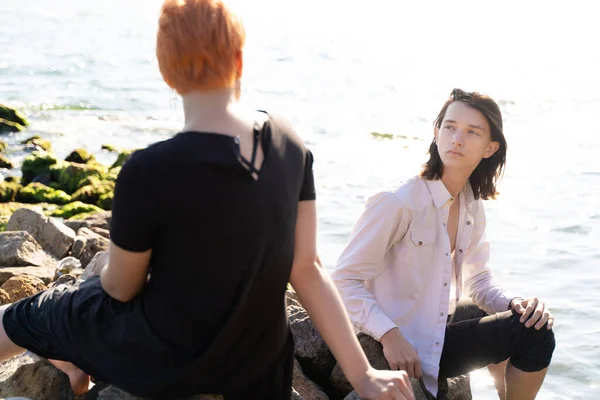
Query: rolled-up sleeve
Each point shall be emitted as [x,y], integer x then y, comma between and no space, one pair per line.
[382,224]
[479,284]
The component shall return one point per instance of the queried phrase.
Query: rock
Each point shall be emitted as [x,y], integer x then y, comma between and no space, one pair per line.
[36,164]
[37,192]
[98,220]
[122,158]
[97,192]
[66,280]
[45,273]
[110,148]
[75,208]
[3,146]
[5,162]
[91,243]
[37,143]
[100,231]
[8,367]
[96,265]
[68,266]
[416,386]
[13,115]
[4,297]
[305,387]
[39,381]
[296,395]
[21,249]
[80,156]
[456,388]
[9,191]
[54,236]
[310,349]
[113,174]
[70,176]
[22,286]
[10,127]
[114,393]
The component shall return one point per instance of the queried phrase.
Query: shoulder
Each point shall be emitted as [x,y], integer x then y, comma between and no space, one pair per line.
[409,193]
[284,134]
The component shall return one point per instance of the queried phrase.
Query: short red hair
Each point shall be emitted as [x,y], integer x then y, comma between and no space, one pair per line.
[197,45]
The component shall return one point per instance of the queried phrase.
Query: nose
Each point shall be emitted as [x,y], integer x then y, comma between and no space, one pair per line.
[457,138]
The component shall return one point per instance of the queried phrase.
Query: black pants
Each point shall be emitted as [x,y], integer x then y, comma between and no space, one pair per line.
[475,340]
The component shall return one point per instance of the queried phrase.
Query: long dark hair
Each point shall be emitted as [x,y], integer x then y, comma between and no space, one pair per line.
[484,178]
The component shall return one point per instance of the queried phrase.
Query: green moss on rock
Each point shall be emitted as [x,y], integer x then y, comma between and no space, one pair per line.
[3,146]
[5,162]
[80,156]
[72,176]
[72,209]
[94,192]
[38,143]
[122,158]
[9,191]
[13,115]
[37,163]
[39,193]
[10,127]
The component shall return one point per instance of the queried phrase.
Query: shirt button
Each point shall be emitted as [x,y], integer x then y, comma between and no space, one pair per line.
[447,254]
[468,222]
[437,343]
[420,243]
[445,283]
[441,314]
[236,140]
[460,251]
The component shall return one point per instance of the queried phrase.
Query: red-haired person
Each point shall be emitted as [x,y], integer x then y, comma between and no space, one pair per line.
[421,244]
[221,216]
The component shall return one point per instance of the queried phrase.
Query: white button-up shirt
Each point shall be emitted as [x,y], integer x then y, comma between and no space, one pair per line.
[397,268]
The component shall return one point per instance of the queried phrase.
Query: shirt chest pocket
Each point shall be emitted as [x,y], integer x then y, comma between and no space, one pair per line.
[422,247]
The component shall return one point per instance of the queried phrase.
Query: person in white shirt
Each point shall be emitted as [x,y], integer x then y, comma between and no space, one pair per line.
[421,245]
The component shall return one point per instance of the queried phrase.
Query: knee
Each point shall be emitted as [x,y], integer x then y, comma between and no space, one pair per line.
[534,348]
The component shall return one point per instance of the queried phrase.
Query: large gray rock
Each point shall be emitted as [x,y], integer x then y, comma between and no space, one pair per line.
[100,220]
[21,249]
[39,380]
[54,236]
[87,244]
[310,348]
[45,273]
[306,388]
[453,389]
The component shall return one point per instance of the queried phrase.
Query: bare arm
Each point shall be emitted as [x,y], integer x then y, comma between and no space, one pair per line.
[319,297]
[125,274]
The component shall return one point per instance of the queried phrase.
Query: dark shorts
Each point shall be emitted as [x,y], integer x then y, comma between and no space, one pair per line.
[475,340]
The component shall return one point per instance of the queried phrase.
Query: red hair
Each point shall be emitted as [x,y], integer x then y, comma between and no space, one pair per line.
[198,44]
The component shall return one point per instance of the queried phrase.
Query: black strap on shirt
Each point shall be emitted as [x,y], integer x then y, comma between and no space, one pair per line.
[250,165]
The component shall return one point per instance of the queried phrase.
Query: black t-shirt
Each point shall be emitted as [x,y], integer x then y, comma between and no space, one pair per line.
[222,247]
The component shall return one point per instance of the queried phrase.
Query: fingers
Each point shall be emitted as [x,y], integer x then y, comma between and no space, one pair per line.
[545,317]
[418,370]
[531,304]
[400,388]
[537,314]
[550,322]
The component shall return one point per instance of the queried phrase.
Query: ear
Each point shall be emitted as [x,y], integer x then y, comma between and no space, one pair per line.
[239,64]
[491,149]
[436,132]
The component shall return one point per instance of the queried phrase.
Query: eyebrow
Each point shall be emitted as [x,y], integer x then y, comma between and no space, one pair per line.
[472,126]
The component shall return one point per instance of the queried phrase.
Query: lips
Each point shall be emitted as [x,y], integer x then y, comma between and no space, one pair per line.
[455,153]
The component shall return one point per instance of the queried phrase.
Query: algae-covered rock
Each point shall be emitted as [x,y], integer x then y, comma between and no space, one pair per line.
[38,143]
[5,162]
[71,176]
[80,156]
[122,158]
[113,174]
[37,192]
[14,179]
[110,148]
[3,146]
[36,164]
[9,191]
[75,208]
[95,191]
[13,115]
[9,127]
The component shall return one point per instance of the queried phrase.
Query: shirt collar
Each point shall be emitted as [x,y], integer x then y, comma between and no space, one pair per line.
[439,193]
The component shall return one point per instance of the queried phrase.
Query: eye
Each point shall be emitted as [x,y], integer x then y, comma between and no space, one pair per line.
[450,127]
[474,133]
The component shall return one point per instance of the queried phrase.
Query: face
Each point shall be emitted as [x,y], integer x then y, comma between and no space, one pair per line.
[464,138]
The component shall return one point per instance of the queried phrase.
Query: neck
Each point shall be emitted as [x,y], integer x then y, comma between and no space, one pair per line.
[455,180]
[199,107]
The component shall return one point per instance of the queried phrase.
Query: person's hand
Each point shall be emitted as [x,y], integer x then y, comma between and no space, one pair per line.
[533,313]
[400,354]
[385,385]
